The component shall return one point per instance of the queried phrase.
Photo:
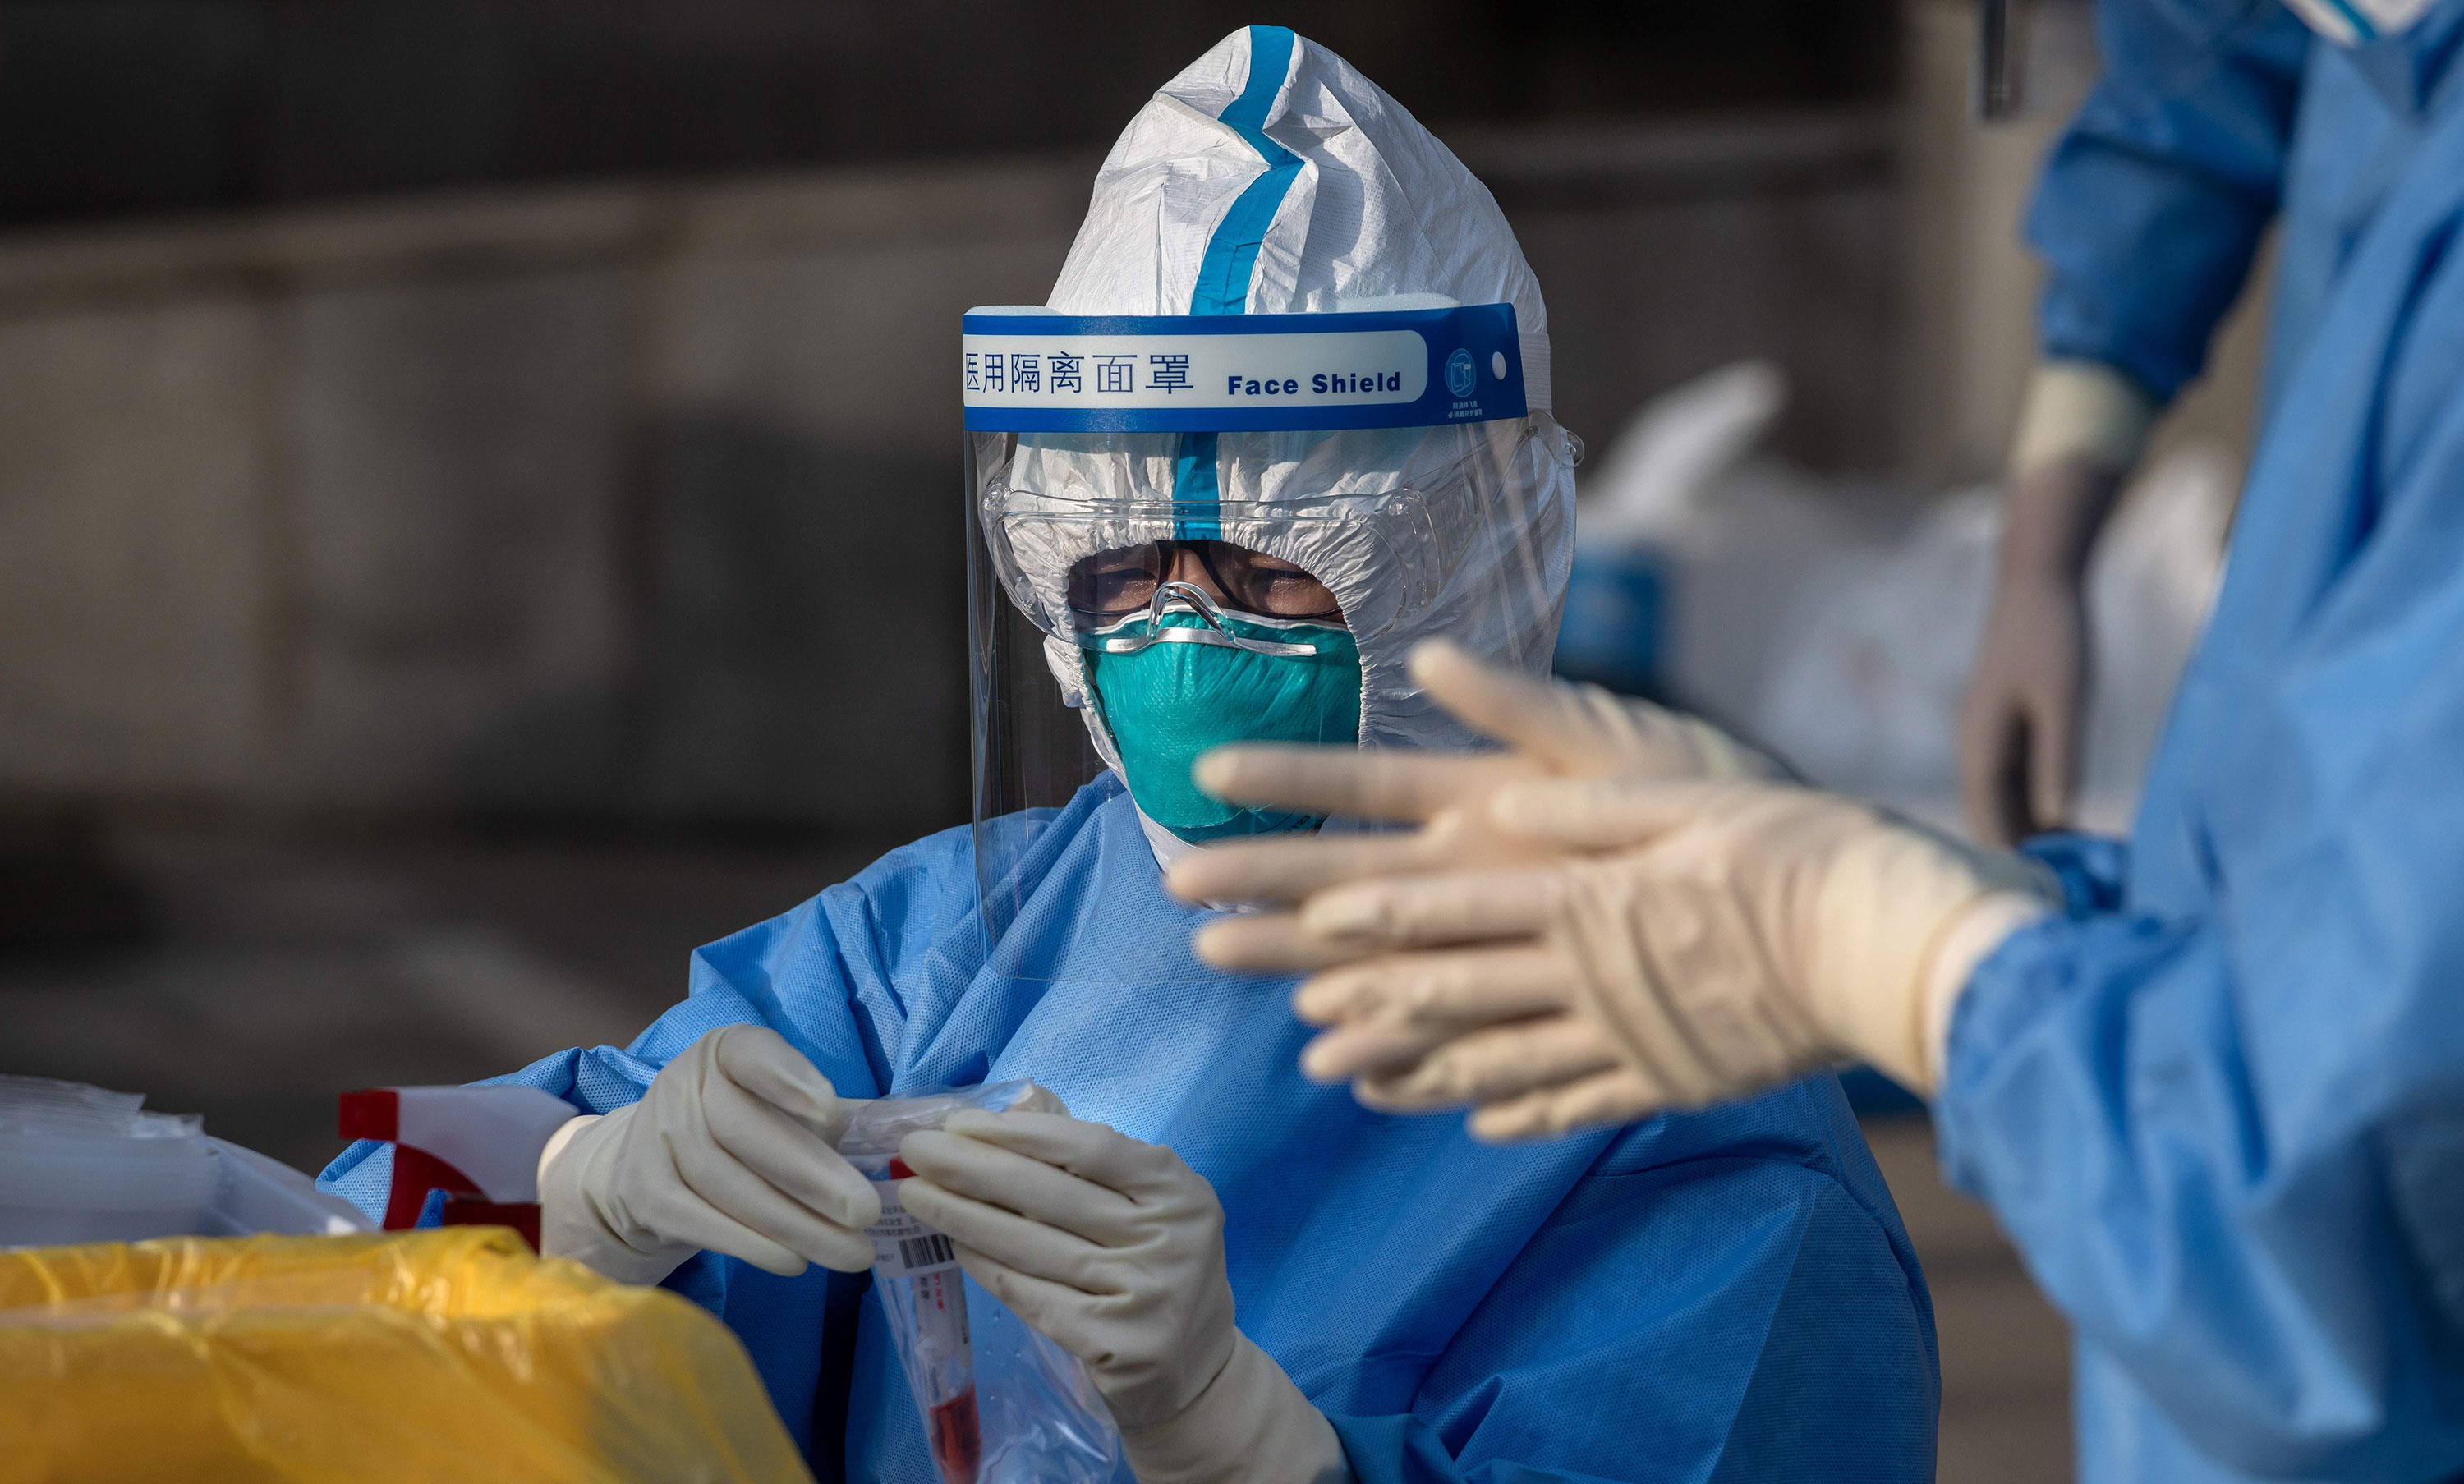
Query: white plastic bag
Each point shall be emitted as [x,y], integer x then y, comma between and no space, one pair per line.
[1871,660]
[1640,521]
[81,1163]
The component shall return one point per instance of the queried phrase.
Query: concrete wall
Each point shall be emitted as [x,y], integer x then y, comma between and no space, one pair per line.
[641,500]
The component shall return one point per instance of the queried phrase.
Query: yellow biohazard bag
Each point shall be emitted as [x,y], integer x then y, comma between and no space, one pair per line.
[450,1354]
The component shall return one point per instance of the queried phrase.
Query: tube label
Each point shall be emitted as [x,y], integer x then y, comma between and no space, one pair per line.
[902,1246]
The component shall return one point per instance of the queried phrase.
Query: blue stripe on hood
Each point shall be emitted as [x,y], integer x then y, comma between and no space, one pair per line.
[1232,257]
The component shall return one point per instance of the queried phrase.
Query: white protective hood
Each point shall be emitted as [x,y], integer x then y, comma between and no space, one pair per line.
[1329,197]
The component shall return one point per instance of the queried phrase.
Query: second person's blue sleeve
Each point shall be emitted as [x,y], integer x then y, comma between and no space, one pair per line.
[2209,1177]
[2154,199]
[2222,1118]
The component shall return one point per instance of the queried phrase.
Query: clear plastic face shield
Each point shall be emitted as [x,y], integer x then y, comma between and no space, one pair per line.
[1188,531]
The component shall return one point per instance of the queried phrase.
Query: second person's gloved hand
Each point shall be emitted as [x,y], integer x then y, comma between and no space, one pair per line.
[1388,1013]
[1551,731]
[2020,722]
[1115,1250]
[2081,429]
[730,1150]
[1591,950]
[1712,939]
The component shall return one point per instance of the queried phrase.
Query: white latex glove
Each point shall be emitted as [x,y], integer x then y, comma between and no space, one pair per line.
[1691,942]
[1551,729]
[1114,1249]
[730,1150]
[1391,1011]
[2080,429]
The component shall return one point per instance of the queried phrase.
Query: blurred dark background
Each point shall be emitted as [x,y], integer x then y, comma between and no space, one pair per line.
[116,106]
[479,480]
[416,413]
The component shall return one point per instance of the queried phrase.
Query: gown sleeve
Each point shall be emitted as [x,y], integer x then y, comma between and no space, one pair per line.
[823,975]
[2227,1136]
[2152,202]
[1708,1304]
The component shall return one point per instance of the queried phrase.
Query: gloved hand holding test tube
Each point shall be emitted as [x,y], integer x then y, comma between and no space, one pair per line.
[915,1269]
[1037,1416]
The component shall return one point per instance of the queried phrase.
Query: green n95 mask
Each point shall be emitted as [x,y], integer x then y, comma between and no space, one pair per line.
[1171,685]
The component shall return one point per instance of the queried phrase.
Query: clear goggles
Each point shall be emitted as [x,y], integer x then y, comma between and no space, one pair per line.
[1080,530]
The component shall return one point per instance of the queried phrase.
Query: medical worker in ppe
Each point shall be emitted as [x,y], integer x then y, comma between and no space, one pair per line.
[2210,120]
[1197,525]
[2211,1080]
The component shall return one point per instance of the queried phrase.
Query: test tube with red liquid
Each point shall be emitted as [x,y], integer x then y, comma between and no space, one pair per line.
[917,1273]
[945,1366]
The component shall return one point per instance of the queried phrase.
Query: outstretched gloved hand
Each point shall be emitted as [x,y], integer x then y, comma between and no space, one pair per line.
[730,1150]
[1551,731]
[1636,944]
[1114,1249]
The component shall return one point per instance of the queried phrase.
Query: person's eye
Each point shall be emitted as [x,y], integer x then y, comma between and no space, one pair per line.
[1113,586]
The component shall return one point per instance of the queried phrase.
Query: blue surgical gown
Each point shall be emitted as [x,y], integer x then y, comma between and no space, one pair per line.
[1726,1294]
[2219,1104]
